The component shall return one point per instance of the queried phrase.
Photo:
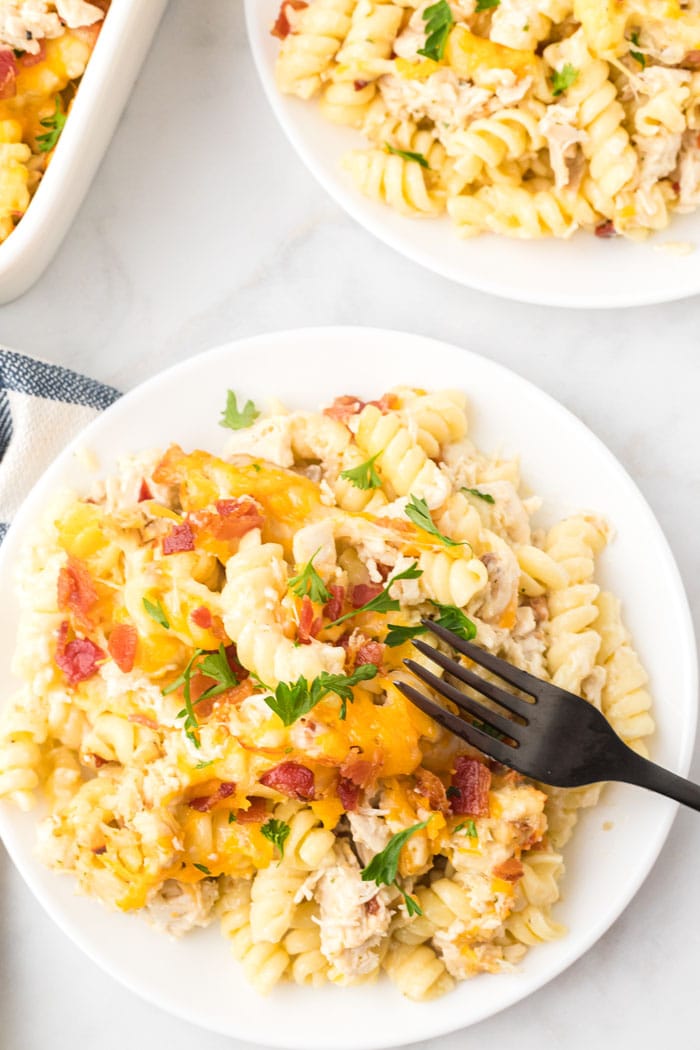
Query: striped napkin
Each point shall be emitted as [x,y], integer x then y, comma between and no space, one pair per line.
[42,406]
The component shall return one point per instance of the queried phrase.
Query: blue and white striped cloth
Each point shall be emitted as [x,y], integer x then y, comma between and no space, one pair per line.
[42,406]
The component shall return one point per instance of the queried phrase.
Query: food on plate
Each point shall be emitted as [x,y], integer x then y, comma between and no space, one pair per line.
[209,647]
[527,118]
[45,46]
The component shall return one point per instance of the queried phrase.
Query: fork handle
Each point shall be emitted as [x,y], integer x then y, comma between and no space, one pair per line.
[643,773]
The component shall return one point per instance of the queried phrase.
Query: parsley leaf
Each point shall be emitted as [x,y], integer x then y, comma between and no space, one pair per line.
[383,601]
[203,868]
[438,23]
[191,725]
[453,619]
[399,634]
[55,124]
[214,665]
[485,496]
[232,817]
[637,55]
[417,511]
[291,700]
[384,867]
[563,79]
[486,5]
[309,582]
[365,476]
[277,832]
[419,159]
[203,765]
[157,613]
[236,419]
[469,827]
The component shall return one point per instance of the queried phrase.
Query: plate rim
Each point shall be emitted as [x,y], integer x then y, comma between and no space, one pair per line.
[351,203]
[584,941]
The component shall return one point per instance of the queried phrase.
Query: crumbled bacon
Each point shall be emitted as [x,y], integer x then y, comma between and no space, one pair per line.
[292,779]
[510,870]
[471,783]
[76,591]
[99,850]
[144,492]
[142,720]
[349,794]
[8,74]
[27,58]
[606,229]
[256,812]
[344,407]
[362,593]
[122,646]
[361,771]
[360,85]
[235,517]
[372,905]
[77,659]
[232,657]
[692,58]
[199,684]
[309,625]
[333,608]
[282,27]
[179,539]
[385,403]
[202,617]
[203,803]
[370,652]
[432,789]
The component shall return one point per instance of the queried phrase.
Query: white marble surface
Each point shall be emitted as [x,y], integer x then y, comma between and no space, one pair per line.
[202,226]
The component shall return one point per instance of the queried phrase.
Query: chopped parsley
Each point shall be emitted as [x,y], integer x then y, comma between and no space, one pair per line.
[213,665]
[398,634]
[419,159]
[157,613]
[383,602]
[485,5]
[438,23]
[563,79]
[453,619]
[418,512]
[235,418]
[469,827]
[637,55]
[203,868]
[365,476]
[384,867]
[203,765]
[232,817]
[485,496]
[291,700]
[277,832]
[54,125]
[309,582]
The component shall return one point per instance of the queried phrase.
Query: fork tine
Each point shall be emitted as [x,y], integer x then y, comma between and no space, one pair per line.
[454,724]
[520,679]
[514,704]
[472,707]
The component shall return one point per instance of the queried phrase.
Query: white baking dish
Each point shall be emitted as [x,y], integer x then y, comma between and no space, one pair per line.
[121,47]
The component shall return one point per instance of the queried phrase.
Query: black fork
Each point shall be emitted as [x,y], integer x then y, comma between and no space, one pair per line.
[555,737]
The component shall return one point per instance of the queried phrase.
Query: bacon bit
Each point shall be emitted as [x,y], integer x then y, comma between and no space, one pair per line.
[99,850]
[179,539]
[235,518]
[142,720]
[281,29]
[144,492]
[349,794]
[511,870]
[203,803]
[256,812]
[432,789]
[372,905]
[386,403]
[76,591]
[232,656]
[371,652]
[96,760]
[77,659]
[333,608]
[202,617]
[472,780]
[676,187]
[122,646]
[28,59]
[292,779]
[606,230]
[8,74]
[344,407]
[361,771]
[692,58]
[229,698]
[360,85]
[308,626]
[362,593]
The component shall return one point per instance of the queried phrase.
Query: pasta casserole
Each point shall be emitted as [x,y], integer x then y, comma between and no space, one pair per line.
[526,118]
[209,647]
[45,46]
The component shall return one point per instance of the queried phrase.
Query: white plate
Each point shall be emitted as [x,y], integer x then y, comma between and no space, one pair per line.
[196,977]
[582,272]
[104,89]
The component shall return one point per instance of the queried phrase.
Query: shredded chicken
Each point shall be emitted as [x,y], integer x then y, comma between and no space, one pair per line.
[177,907]
[563,138]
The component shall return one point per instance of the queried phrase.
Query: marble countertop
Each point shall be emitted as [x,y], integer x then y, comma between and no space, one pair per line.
[203,226]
